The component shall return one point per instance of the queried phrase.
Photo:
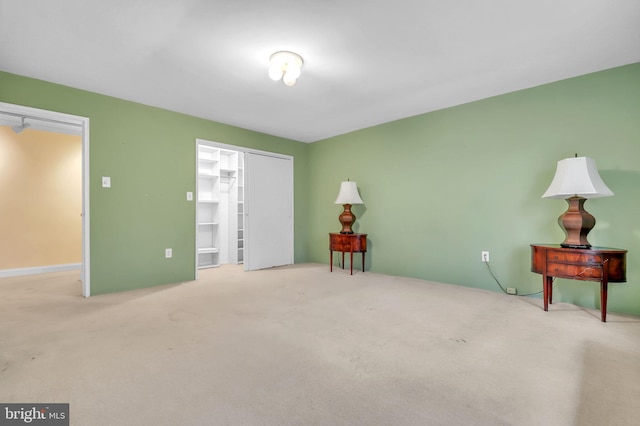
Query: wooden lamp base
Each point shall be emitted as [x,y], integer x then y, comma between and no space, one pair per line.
[576,223]
[347,219]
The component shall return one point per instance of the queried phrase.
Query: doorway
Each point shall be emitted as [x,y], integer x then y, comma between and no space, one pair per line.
[244,207]
[58,122]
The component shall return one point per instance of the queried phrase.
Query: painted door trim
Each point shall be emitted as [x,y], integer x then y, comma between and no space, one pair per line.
[83,123]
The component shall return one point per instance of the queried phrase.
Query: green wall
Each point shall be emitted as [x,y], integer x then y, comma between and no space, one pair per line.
[438,188]
[150,155]
[441,187]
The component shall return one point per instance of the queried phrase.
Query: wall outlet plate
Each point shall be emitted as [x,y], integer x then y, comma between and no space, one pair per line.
[168,253]
[512,290]
[485,256]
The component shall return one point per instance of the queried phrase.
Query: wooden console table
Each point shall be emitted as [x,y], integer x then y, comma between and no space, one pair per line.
[594,264]
[352,243]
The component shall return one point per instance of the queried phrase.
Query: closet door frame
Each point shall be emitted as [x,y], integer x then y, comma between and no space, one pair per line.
[245,150]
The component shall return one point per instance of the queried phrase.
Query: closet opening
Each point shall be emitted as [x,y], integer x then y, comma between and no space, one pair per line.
[220,206]
[244,207]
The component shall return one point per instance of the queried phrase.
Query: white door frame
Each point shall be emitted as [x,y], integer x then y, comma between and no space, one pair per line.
[242,149]
[60,119]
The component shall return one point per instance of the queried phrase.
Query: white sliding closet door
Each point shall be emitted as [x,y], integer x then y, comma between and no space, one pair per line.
[269,211]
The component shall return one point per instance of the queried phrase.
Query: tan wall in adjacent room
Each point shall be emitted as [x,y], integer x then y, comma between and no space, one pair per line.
[40,199]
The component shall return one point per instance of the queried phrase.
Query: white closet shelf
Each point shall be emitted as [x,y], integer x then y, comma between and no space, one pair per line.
[208,223]
[202,250]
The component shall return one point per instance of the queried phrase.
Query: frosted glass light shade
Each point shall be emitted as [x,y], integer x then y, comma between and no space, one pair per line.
[348,194]
[275,72]
[577,177]
[285,65]
[293,72]
[288,80]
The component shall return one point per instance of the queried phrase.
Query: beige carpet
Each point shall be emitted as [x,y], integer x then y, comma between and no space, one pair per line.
[302,346]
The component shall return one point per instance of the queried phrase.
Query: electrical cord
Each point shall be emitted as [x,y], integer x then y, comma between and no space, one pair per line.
[503,289]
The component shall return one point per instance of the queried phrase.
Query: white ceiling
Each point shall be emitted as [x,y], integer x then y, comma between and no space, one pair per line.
[366,61]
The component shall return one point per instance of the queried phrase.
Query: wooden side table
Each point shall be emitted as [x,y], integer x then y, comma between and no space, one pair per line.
[352,243]
[595,264]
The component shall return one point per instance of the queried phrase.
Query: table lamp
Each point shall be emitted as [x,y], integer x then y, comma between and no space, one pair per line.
[347,196]
[576,180]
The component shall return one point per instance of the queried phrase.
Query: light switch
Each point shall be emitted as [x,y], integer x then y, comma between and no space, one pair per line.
[106,182]
[189,196]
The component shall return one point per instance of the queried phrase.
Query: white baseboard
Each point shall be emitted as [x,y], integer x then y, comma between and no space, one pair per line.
[38,270]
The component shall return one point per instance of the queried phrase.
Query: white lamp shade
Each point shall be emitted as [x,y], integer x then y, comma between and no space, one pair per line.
[577,176]
[349,194]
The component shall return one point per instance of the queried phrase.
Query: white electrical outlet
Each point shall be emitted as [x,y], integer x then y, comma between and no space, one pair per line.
[168,253]
[106,182]
[512,290]
[485,256]
[189,196]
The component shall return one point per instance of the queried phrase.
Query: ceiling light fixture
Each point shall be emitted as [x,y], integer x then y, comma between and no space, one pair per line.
[286,66]
[20,127]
